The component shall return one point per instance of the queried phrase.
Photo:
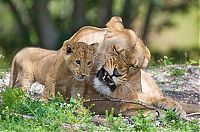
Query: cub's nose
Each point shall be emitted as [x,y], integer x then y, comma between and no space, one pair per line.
[83,75]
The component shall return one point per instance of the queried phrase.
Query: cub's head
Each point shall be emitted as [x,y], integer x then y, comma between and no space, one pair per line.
[79,58]
[112,72]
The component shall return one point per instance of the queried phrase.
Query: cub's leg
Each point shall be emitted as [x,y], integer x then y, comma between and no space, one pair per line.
[78,89]
[13,74]
[49,89]
[24,78]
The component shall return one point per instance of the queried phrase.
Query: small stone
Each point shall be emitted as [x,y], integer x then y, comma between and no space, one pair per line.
[191,70]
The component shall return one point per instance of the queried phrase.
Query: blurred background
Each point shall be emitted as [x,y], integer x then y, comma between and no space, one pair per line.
[168,27]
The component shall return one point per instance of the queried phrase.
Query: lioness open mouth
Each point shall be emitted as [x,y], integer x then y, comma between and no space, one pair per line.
[104,77]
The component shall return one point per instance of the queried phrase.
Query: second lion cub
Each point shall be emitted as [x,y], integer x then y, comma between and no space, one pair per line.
[65,70]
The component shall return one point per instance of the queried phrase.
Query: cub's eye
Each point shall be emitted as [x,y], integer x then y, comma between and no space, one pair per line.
[116,73]
[89,63]
[78,62]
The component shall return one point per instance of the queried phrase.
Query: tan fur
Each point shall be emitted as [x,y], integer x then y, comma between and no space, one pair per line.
[126,41]
[57,70]
[115,24]
[131,54]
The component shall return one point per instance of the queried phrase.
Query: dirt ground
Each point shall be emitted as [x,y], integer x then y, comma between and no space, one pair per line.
[184,87]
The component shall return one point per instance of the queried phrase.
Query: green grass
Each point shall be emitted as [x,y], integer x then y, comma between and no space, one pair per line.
[57,115]
[177,72]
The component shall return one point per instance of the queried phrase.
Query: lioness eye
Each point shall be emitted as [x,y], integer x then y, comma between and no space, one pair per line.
[116,73]
[89,63]
[78,62]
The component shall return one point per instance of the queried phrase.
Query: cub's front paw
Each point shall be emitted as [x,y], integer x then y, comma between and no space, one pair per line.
[44,99]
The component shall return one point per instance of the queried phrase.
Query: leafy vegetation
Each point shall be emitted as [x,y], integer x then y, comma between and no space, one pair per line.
[191,62]
[165,61]
[20,113]
[177,72]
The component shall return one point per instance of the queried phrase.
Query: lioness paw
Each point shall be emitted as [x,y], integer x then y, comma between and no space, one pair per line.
[174,106]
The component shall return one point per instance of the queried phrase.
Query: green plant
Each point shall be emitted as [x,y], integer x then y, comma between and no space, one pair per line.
[177,72]
[142,123]
[12,97]
[191,62]
[165,61]
[20,113]
[173,123]
[50,116]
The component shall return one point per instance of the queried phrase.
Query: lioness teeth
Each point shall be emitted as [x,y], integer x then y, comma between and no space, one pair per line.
[105,73]
[112,83]
[104,76]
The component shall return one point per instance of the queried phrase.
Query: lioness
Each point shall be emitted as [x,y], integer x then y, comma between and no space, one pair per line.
[119,73]
[64,70]
[115,79]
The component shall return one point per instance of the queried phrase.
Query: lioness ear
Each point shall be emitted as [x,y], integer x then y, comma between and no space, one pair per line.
[118,51]
[95,45]
[114,49]
[115,23]
[132,70]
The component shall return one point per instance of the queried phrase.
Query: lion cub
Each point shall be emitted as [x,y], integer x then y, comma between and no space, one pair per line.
[65,70]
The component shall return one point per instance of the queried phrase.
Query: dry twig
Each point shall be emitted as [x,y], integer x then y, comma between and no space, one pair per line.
[111,99]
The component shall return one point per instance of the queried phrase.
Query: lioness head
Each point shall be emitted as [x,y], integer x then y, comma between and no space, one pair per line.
[112,72]
[79,58]
[127,43]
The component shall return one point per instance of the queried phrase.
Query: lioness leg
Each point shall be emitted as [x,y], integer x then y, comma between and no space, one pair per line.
[128,109]
[166,103]
[163,103]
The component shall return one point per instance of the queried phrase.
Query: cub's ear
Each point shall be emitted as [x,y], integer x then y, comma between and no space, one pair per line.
[95,45]
[69,49]
[67,46]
